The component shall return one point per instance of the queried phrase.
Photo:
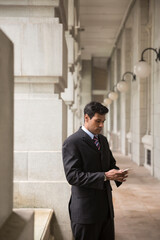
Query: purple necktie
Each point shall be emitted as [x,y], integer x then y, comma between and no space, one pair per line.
[96,142]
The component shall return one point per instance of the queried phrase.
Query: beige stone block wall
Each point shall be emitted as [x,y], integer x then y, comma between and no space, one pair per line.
[40,46]
[40,129]
[39,120]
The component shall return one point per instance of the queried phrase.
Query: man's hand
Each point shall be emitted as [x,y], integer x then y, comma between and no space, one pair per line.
[117,175]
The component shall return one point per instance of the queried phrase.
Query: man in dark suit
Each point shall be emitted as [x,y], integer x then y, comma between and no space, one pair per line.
[89,166]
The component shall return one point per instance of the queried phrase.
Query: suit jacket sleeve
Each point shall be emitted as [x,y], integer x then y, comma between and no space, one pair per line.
[113,166]
[74,169]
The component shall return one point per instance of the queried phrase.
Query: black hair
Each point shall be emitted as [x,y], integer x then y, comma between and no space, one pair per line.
[95,107]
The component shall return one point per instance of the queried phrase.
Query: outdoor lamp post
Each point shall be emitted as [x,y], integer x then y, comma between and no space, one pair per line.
[142,69]
[107,101]
[122,86]
[113,95]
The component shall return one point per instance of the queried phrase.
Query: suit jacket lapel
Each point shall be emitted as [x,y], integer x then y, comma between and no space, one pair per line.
[103,150]
[87,139]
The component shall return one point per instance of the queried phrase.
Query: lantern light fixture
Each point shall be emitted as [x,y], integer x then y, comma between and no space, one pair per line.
[142,69]
[107,101]
[113,95]
[122,86]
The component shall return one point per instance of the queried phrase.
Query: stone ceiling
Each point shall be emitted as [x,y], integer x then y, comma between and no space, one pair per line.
[102,21]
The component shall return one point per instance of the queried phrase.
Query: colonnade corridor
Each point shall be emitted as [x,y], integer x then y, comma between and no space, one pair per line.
[136,204]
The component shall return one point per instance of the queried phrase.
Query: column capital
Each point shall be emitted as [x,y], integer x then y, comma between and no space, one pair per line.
[40,8]
[68,94]
[40,47]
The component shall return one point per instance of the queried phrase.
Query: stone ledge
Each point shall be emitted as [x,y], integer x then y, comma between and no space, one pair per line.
[18,226]
[28,224]
[43,218]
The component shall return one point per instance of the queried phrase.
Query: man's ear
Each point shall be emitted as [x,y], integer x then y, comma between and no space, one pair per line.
[86,118]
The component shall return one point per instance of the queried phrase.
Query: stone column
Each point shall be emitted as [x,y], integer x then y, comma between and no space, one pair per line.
[76,109]
[107,127]
[77,92]
[68,97]
[125,98]
[17,224]
[155,66]
[85,85]
[6,127]
[41,68]
[71,95]
[110,107]
[147,139]
[139,89]
[115,131]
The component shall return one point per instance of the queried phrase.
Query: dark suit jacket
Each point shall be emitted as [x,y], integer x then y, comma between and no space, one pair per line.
[84,165]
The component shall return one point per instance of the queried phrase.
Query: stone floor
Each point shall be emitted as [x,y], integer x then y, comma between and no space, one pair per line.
[136,204]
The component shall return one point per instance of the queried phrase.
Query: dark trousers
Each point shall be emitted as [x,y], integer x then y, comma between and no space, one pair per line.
[97,231]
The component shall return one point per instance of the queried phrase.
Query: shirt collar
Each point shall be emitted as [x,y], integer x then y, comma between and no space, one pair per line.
[88,132]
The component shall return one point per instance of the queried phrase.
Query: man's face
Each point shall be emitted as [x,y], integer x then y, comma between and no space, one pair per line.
[95,124]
